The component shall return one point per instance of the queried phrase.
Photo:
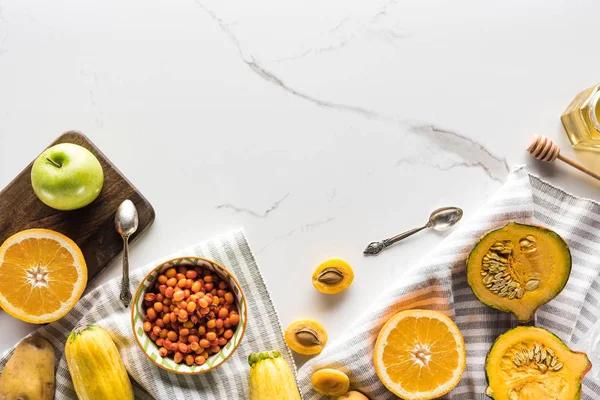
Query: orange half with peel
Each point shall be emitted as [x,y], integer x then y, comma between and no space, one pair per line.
[42,275]
[420,355]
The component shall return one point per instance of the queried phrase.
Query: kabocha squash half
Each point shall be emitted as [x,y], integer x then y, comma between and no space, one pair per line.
[529,363]
[96,368]
[518,268]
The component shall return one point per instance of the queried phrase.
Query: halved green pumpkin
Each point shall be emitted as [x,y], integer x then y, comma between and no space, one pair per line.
[518,268]
[529,363]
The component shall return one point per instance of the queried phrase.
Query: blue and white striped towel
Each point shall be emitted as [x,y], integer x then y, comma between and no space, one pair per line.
[439,282]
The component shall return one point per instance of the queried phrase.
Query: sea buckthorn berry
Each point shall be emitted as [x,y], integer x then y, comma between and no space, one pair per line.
[156,330]
[216,301]
[200,360]
[163,352]
[194,318]
[188,324]
[209,286]
[228,334]
[179,276]
[153,337]
[163,333]
[223,313]
[201,331]
[229,298]
[210,336]
[222,341]
[188,283]
[147,326]
[159,322]
[172,336]
[215,349]
[162,279]
[160,297]
[204,343]
[169,292]
[172,282]
[149,296]
[191,307]
[178,296]
[178,357]
[222,285]
[184,332]
[183,314]
[182,269]
[187,293]
[227,323]
[160,342]
[234,319]
[189,359]
[167,302]
[193,338]
[158,306]
[218,323]
[183,348]
[151,313]
[191,274]
[175,346]
[170,272]
[182,283]
[194,346]
[208,279]
[182,304]
[211,323]
[203,303]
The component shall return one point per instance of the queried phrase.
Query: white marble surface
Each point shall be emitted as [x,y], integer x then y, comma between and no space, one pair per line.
[318,126]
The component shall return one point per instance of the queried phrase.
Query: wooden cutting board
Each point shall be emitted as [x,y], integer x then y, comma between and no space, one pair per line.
[91,227]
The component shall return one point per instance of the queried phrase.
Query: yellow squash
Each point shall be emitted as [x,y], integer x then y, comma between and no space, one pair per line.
[518,268]
[529,363]
[271,377]
[96,368]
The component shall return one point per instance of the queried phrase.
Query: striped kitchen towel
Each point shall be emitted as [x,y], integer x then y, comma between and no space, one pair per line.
[230,381]
[439,283]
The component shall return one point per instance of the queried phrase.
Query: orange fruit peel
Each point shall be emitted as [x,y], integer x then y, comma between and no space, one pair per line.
[42,275]
[420,355]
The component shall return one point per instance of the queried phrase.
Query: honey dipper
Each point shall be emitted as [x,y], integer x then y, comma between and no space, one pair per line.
[545,149]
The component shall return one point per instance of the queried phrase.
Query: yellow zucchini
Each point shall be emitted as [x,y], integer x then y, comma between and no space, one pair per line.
[271,377]
[96,368]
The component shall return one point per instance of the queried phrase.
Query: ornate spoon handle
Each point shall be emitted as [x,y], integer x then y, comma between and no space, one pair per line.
[375,248]
[125,290]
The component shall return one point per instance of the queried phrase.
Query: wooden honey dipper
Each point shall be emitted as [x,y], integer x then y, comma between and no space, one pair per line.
[545,149]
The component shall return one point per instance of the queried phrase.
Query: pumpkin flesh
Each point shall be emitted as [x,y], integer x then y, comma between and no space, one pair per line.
[518,268]
[553,373]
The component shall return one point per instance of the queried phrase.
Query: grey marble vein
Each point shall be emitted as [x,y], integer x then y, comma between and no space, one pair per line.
[303,228]
[264,214]
[269,76]
[471,153]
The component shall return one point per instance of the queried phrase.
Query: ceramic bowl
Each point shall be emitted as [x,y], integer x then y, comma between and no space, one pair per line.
[150,349]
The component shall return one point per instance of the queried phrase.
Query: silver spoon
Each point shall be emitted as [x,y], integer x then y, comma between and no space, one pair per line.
[440,220]
[126,222]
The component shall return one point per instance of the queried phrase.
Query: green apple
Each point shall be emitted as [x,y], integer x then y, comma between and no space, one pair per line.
[67,177]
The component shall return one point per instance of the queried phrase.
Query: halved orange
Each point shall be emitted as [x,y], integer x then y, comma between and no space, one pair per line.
[42,275]
[420,355]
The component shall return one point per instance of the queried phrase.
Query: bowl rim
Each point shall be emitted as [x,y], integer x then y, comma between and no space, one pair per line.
[137,340]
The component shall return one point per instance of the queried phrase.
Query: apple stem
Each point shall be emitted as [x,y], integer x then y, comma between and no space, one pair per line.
[53,162]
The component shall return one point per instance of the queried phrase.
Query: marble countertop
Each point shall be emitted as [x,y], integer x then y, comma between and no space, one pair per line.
[318,126]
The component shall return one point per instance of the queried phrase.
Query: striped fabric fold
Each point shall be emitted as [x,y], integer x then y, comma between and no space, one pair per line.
[439,282]
[102,307]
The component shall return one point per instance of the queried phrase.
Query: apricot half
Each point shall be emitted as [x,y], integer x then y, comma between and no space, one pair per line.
[333,276]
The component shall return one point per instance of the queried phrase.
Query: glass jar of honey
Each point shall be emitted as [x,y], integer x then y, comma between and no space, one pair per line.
[582,119]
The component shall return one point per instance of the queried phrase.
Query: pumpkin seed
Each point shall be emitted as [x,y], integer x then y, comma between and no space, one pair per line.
[330,276]
[558,366]
[520,293]
[543,368]
[517,362]
[550,351]
[532,284]
[554,361]
[513,395]
[308,337]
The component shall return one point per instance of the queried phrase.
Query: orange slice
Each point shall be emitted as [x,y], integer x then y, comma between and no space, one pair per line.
[42,275]
[420,355]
